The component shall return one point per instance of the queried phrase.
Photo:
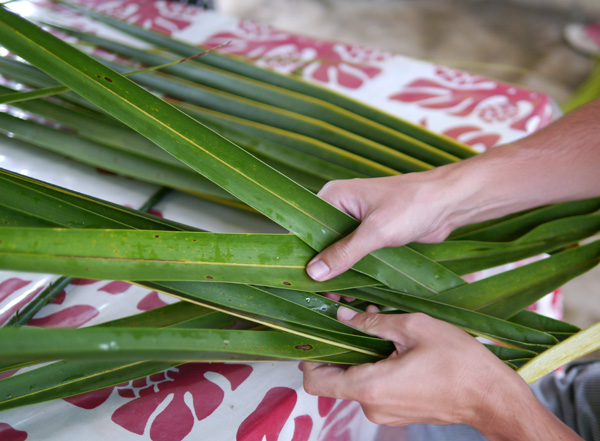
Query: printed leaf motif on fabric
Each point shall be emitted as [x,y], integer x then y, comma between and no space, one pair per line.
[150,301]
[269,417]
[462,94]
[348,66]
[9,433]
[338,423]
[167,390]
[13,301]
[165,17]
[71,317]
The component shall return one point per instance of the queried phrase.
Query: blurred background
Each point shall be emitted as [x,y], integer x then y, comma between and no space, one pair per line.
[517,41]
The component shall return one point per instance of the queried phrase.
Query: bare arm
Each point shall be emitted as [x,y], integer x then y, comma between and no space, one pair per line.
[439,375]
[556,164]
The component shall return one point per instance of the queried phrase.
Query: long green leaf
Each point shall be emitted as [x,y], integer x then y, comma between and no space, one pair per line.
[278,97]
[270,260]
[515,225]
[505,294]
[315,221]
[464,256]
[242,67]
[140,344]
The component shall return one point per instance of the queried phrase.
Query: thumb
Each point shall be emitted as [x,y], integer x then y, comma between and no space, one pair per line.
[342,255]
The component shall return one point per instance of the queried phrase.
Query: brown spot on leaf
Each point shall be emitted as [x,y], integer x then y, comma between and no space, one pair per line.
[210,277]
[304,347]
[287,283]
[108,79]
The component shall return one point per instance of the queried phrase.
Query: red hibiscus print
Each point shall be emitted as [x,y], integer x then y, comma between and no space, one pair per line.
[151,301]
[165,17]
[90,400]
[302,428]
[462,94]
[336,428]
[115,287]
[8,433]
[269,417]
[325,405]
[59,299]
[9,287]
[474,136]
[71,317]
[83,281]
[171,386]
[7,374]
[345,65]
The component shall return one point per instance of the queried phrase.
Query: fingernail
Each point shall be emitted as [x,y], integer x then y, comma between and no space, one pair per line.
[345,314]
[317,270]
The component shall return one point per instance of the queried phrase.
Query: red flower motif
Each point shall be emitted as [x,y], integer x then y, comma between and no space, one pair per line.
[462,94]
[345,65]
[165,17]
[11,285]
[71,317]
[8,433]
[7,289]
[325,405]
[170,386]
[151,301]
[270,416]
[302,428]
[115,287]
[337,429]
[473,136]
[90,400]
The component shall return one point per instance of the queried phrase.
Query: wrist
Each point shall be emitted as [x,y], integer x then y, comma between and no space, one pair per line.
[509,411]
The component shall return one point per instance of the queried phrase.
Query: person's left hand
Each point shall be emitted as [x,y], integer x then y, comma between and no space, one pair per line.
[438,374]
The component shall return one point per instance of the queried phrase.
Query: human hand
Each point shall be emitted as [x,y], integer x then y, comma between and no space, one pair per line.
[438,374]
[393,211]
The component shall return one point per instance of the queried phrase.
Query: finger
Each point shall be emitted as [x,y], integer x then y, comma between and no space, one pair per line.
[373,309]
[324,380]
[342,255]
[390,327]
[333,296]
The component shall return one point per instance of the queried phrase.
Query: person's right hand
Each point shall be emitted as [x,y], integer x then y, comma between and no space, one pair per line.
[393,211]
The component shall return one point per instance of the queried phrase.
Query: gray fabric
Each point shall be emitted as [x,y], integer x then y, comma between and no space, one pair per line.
[573,396]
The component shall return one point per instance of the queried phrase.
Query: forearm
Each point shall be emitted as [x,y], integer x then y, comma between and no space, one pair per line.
[520,416]
[556,164]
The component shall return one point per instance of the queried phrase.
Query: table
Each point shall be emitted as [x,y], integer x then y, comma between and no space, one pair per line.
[246,402]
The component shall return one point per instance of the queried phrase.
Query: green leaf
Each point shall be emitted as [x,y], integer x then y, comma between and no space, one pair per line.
[468,256]
[137,344]
[516,225]
[278,97]
[257,259]
[507,293]
[242,67]
[316,222]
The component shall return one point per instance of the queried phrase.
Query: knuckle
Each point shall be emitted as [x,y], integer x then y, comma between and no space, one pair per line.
[416,322]
[369,321]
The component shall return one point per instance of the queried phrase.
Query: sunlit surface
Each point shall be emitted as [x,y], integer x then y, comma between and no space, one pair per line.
[24,9]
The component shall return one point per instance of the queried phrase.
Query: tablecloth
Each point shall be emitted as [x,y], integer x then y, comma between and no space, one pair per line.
[245,402]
